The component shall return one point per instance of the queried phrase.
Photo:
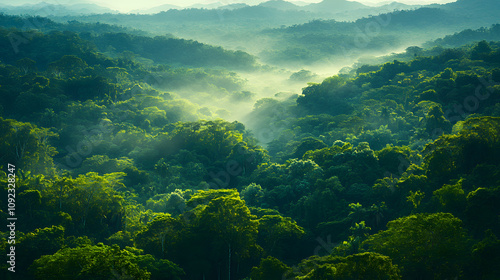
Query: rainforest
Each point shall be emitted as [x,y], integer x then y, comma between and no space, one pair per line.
[250,141]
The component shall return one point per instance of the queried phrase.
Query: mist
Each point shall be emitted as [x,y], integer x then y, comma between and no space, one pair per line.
[250,140]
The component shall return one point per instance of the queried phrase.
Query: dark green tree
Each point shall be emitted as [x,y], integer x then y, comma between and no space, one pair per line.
[426,246]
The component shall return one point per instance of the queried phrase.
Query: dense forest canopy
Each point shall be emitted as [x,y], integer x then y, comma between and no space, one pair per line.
[129,154]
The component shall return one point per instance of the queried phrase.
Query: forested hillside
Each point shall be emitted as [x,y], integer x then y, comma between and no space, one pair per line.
[119,41]
[329,32]
[114,166]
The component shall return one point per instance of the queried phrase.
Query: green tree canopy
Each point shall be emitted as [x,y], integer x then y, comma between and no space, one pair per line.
[426,246]
[90,262]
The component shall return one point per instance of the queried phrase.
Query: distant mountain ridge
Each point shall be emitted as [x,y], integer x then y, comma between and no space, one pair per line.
[30,2]
[331,8]
[233,6]
[334,6]
[156,9]
[47,9]
[279,12]
[280,5]
[473,5]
